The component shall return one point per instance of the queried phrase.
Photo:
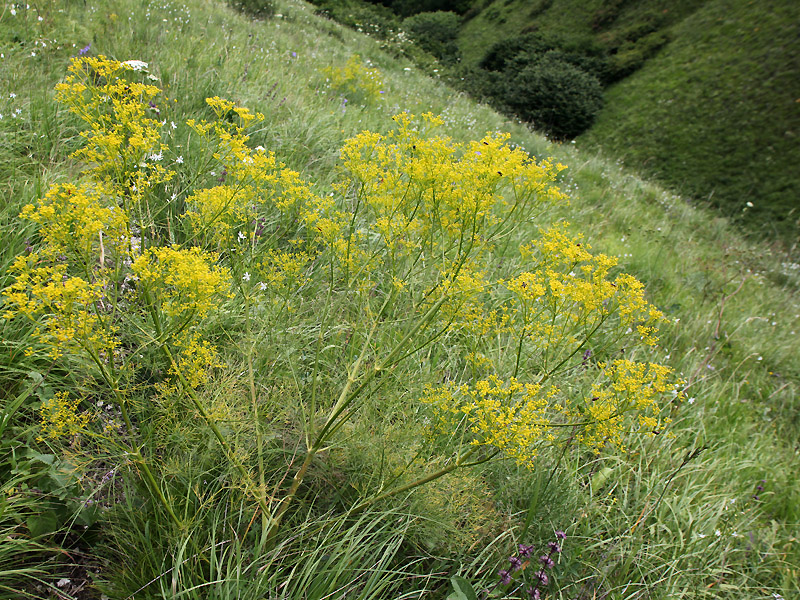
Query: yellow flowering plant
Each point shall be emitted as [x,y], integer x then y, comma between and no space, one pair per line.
[356,81]
[409,254]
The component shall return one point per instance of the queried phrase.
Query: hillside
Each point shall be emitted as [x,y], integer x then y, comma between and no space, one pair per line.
[263,335]
[711,102]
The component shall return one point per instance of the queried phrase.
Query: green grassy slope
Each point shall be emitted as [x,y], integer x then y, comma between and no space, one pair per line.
[716,114]
[674,517]
[713,112]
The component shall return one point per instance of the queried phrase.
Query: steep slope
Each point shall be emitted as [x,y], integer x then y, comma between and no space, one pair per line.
[711,504]
[712,105]
[716,115]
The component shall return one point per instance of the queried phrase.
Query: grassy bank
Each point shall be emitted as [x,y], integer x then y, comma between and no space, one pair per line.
[704,506]
[710,108]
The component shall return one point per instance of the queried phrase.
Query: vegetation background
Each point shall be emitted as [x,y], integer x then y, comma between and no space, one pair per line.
[706,509]
[699,94]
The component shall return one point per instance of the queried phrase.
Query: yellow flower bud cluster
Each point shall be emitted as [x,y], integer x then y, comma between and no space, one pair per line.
[417,185]
[63,307]
[196,358]
[626,386]
[259,196]
[84,220]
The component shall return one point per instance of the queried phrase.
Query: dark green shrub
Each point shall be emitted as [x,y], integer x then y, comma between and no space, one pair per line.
[435,32]
[260,9]
[503,52]
[480,84]
[406,8]
[596,65]
[555,96]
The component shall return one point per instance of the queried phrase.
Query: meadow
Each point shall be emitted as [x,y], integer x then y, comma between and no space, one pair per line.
[283,317]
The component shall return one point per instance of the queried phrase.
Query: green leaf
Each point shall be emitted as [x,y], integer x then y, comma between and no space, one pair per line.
[599,479]
[463,589]
[43,524]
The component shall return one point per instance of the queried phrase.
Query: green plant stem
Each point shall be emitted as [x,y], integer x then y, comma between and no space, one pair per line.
[345,398]
[259,440]
[260,498]
[149,477]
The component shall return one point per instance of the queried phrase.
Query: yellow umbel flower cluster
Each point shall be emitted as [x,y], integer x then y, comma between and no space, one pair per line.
[118,109]
[259,196]
[567,294]
[83,220]
[421,186]
[627,386]
[186,283]
[64,307]
[510,416]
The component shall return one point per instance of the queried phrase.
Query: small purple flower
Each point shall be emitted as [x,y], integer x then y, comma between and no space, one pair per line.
[505,577]
[525,551]
[516,563]
[561,535]
[542,577]
[554,547]
[294,54]
[534,593]
[85,50]
[546,561]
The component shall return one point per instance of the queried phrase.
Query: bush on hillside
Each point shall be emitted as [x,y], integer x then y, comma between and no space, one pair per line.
[501,53]
[520,51]
[406,8]
[260,9]
[435,32]
[556,96]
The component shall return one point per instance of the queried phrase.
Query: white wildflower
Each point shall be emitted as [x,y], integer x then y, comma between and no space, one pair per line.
[136,65]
